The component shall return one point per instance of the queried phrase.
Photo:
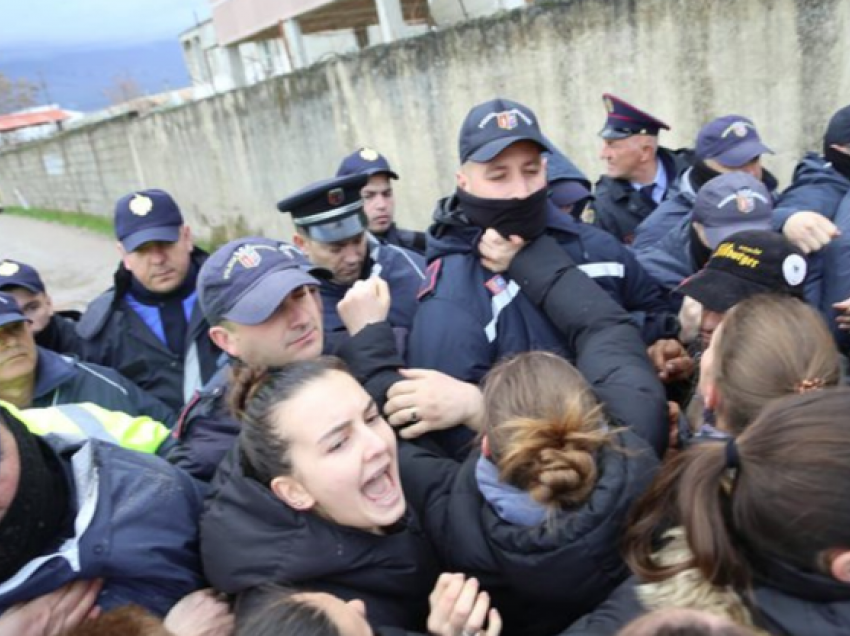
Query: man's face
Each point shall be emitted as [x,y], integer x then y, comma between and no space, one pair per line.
[292,333]
[36,306]
[378,203]
[18,355]
[344,259]
[709,322]
[10,470]
[160,267]
[625,157]
[752,167]
[516,173]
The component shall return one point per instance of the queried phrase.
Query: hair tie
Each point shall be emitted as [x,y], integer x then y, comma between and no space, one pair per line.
[733,459]
[807,385]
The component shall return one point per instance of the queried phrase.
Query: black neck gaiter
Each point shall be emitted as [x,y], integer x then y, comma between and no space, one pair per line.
[701,174]
[170,304]
[34,520]
[839,160]
[525,218]
[699,252]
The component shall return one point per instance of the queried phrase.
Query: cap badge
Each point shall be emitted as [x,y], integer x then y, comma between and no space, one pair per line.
[336,196]
[247,256]
[140,205]
[368,154]
[506,120]
[9,269]
[745,201]
[609,105]
[794,269]
[738,128]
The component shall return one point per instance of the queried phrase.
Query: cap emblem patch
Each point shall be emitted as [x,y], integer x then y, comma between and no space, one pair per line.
[794,269]
[507,119]
[8,269]
[247,256]
[368,154]
[609,105]
[745,201]
[336,196]
[738,128]
[140,205]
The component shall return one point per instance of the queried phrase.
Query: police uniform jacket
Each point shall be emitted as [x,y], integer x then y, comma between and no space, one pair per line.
[60,334]
[113,334]
[618,208]
[207,430]
[787,601]
[65,380]
[469,318]
[671,211]
[134,524]
[404,272]
[250,538]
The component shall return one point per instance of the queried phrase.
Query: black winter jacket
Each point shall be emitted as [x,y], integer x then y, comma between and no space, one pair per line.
[112,334]
[250,538]
[544,577]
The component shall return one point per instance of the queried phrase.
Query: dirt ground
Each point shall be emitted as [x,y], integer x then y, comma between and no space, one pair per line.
[76,265]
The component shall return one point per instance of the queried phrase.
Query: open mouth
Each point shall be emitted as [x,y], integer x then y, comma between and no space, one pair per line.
[381,489]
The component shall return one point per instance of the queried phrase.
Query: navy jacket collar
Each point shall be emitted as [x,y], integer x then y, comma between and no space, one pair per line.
[51,371]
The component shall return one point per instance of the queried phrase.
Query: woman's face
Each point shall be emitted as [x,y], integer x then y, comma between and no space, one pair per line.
[345,465]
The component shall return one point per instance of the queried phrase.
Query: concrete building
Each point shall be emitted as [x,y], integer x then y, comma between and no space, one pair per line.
[248,41]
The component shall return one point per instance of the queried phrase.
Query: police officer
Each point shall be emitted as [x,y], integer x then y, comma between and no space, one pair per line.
[331,230]
[472,311]
[730,203]
[33,376]
[53,330]
[639,173]
[379,200]
[727,144]
[261,298]
[149,326]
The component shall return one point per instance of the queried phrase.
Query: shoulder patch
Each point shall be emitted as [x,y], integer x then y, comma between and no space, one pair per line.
[432,273]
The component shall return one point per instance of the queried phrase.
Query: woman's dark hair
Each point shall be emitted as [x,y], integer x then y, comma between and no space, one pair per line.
[274,610]
[786,501]
[770,346]
[544,426]
[255,395]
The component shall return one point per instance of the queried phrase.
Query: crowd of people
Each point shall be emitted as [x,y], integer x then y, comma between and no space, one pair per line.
[564,410]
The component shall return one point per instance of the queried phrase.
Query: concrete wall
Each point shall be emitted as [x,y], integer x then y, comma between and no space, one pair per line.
[228,159]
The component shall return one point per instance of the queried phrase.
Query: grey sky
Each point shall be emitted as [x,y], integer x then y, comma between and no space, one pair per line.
[60,23]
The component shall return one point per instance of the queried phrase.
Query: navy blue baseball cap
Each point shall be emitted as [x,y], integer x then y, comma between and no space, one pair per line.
[624,120]
[838,129]
[330,210]
[731,140]
[9,310]
[365,161]
[491,127]
[731,203]
[145,216]
[17,274]
[246,280]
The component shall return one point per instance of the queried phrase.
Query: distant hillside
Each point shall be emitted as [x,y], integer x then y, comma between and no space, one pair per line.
[79,79]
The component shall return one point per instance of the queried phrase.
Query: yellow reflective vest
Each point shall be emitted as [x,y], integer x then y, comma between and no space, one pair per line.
[78,422]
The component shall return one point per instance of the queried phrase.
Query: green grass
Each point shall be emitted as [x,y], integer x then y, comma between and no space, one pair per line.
[83,220]
[90,222]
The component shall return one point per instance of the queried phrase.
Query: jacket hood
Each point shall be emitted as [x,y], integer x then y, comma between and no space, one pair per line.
[250,537]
